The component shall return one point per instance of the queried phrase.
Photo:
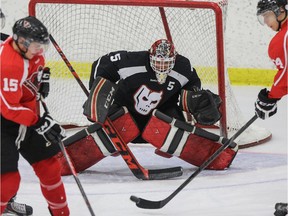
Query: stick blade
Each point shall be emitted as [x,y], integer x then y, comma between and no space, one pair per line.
[147,204]
[167,173]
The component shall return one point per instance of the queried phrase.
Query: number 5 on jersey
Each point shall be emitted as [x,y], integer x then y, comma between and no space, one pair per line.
[170,85]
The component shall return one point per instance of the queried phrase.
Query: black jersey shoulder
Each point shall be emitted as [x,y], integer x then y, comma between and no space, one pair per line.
[112,65]
[183,66]
[132,59]
[185,73]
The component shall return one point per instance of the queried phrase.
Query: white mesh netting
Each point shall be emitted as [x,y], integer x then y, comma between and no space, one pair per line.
[85,32]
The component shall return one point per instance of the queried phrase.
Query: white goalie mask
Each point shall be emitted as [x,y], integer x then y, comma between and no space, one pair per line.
[162,58]
[146,100]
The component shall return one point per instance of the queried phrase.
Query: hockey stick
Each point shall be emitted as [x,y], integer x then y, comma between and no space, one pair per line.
[148,204]
[138,171]
[71,166]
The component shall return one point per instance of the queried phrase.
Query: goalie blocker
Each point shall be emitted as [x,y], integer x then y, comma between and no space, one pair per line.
[179,139]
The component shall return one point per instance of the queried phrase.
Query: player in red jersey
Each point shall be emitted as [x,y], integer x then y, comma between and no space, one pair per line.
[24,79]
[13,207]
[273,13]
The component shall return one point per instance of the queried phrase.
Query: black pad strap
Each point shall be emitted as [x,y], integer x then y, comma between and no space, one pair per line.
[191,129]
[120,112]
[180,124]
[82,134]
[175,141]
[106,141]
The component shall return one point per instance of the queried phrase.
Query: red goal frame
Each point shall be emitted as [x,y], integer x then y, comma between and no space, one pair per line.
[171,3]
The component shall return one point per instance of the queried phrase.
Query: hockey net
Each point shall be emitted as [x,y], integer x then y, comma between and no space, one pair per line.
[88,29]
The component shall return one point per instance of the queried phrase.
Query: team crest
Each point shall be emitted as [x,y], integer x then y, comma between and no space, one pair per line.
[146,100]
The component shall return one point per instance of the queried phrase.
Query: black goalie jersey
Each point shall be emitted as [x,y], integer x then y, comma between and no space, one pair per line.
[138,89]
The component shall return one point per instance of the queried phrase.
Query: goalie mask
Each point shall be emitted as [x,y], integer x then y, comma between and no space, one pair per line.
[162,58]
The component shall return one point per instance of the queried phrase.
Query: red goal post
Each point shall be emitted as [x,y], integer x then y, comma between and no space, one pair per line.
[88,29]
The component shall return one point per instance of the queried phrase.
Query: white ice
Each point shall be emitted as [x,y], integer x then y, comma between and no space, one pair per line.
[256,180]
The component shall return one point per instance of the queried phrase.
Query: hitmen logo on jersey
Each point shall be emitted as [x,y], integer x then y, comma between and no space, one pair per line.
[146,100]
[32,82]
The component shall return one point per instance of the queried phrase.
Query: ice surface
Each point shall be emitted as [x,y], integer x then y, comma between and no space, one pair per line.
[256,180]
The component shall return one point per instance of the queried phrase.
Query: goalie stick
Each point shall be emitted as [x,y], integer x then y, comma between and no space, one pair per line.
[148,204]
[71,166]
[138,171]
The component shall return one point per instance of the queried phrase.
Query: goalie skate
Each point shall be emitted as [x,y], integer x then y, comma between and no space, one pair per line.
[13,208]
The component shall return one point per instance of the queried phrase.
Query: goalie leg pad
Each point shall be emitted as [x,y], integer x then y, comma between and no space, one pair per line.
[197,150]
[84,153]
[185,145]
[124,124]
[87,151]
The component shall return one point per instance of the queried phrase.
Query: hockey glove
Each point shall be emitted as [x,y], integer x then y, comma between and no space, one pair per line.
[281,209]
[265,107]
[49,129]
[44,86]
[203,105]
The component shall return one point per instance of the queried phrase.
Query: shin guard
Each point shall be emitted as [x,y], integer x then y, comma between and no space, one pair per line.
[184,144]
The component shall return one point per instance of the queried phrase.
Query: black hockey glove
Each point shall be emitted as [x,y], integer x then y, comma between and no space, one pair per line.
[281,209]
[265,107]
[203,105]
[49,129]
[44,86]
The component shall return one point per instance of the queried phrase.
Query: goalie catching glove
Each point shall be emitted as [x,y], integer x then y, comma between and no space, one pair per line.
[49,129]
[203,105]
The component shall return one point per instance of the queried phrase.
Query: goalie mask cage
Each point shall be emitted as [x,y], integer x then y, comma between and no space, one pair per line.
[87,29]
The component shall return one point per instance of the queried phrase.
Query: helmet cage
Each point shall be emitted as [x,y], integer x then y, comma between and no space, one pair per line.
[162,59]
[162,67]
